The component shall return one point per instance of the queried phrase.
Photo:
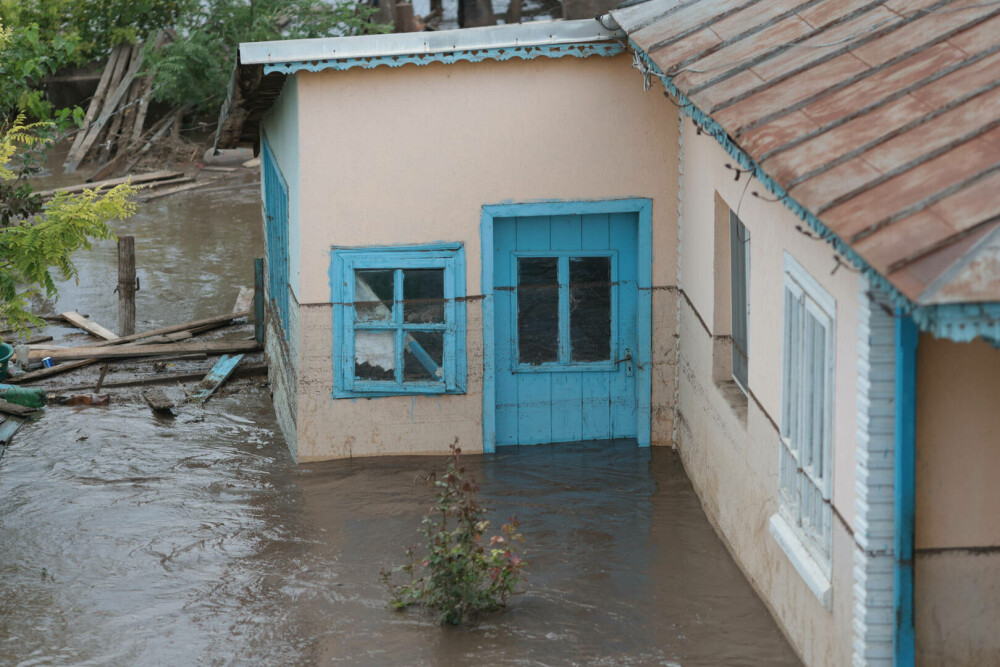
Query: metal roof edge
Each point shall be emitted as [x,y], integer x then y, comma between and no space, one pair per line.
[520,35]
[961,322]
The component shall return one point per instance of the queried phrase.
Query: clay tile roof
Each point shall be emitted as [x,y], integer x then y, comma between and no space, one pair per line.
[881,118]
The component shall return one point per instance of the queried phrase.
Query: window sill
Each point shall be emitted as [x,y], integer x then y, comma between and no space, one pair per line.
[735,397]
[811,572]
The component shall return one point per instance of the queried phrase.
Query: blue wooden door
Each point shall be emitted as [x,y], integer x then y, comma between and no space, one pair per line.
[565,294]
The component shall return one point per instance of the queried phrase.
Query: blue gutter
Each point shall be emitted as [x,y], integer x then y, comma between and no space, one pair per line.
[903,635]
[958,322]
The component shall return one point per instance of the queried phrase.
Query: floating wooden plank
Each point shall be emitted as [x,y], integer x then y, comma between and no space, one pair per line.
[219,374]
[43,373]
[93,328]
[9,408]
[158,401]
[173,191]
[8,428]
[193,326]
[126,351]
[35,339]
[244,371]
[135,179]
[244,300]
[196,356]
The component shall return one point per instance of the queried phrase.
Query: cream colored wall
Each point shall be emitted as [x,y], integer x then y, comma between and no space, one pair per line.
[732,459]
[957,532]
[410,155]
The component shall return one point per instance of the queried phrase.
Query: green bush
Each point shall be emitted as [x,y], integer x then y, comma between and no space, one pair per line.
[459,576]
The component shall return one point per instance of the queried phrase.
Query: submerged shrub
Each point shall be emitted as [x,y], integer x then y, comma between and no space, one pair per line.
[459,576]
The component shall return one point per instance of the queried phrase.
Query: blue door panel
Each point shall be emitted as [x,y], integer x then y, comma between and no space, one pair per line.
[565,401]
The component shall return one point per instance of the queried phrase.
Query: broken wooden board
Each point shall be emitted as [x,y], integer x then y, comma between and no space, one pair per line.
[220,373]
[244,371]
[244,300]
[136,179]
[35,339]
[125,351]
[158,401]
[8,408]
[43,373]
[93,328]
[193,326]
[8,428]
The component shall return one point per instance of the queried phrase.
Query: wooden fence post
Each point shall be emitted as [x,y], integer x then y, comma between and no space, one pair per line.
[126,285]
[258,300]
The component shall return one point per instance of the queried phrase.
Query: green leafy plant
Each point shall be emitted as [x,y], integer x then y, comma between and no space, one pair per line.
[37,242]
[195,69]
[459,576]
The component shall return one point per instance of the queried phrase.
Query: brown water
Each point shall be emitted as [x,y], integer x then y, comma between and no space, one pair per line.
[129,540]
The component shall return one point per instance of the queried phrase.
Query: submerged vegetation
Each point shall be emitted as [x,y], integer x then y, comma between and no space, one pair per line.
[459,576]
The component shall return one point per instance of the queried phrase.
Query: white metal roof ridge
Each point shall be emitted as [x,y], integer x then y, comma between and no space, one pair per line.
[520,35]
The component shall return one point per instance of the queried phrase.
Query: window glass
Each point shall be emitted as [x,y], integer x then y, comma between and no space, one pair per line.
[422,356]
[590,308]
[537,310]
[423,296]
[374,355]
[373,295]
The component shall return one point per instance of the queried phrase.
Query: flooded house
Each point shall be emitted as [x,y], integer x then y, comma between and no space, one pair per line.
[787,268]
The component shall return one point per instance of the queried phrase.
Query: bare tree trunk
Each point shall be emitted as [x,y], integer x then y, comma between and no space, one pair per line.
[473,13]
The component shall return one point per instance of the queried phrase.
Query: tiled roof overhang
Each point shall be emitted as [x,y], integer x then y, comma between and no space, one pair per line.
[878,122]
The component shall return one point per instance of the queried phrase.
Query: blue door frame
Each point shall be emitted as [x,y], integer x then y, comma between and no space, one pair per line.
[643,208]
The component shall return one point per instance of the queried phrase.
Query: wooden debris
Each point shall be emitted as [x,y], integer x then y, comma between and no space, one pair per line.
[244,300]
[35,339]
[173,191]
[196,356]
[43,373]
[97,102]
[192,326]
[226,170]
[100,380]
[244,371]
[219,374]
[9,427]
[93,328]
[158,401]
[126,351]
[137,179]
[9,408]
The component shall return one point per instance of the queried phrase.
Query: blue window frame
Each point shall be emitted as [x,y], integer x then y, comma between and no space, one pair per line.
[276,230]
[399,320]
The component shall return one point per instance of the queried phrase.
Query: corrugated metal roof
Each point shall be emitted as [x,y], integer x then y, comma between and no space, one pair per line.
[881,118]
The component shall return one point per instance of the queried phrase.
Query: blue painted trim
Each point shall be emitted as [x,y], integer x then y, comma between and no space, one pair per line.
[577,50]
[958,322]
[903,638]
[343,261]
[274,189]
[643,208]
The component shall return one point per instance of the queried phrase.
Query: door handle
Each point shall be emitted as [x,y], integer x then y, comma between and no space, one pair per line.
[628,362]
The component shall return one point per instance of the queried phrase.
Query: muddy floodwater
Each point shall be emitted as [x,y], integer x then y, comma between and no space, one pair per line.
[126,539]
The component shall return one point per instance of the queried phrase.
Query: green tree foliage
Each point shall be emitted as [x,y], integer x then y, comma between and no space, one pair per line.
[459,576]
[47,35]
[37,243]
[195,69]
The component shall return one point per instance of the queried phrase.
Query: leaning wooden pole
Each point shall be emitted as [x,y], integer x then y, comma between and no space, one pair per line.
[258,301]
[126,285]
